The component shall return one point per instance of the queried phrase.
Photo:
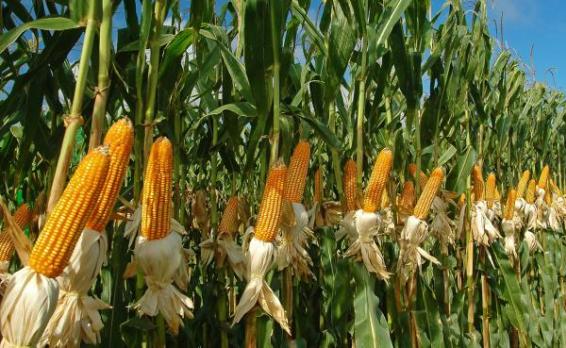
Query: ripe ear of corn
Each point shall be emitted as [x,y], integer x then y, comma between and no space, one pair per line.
[510,206]
[543,178]
[531,191]
[22,217]
[490,189]
[157,191]
[230,222]
[422,178]
[523,183]
[555,189]
[119,139]
[429,192]
[297,173]
[378,180]
[407,199]
[270,208]
[477,179]
[350,186]
[57,240]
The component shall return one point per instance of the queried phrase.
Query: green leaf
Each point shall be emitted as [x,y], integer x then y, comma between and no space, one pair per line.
[387,21]
[457,179]
[370,326]
[322,129]
[52,23]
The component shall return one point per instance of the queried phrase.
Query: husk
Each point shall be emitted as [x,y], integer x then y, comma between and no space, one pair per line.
[4,275]
[364,247]
[261,257]
[442,227]
[161,262]
[29,301]
[76,317]
[413,235]
[483,231]
[347,228]
[293,243]
[509,227]
[224,248]
[532,242]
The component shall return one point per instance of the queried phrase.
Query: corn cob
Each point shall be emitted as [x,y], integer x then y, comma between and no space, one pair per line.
[229,223]
[462,200]
[350,186]
[531,191]
[548,197]
[157,191]
[119,139]
[270,208]
[22,217]
[407,200]
[510,206]
[523,183]
[57,241]
[422,176]
[497,194]
[297,173]
[478,183]
[378,180]
[543,178]
[490,190]
[317,196]
[555,188]
[429,192]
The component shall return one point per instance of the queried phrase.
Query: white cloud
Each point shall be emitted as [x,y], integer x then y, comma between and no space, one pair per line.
[515,11]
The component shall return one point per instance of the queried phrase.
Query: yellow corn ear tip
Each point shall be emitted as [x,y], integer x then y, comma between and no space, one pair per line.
[490,188]
[157,191]
[120,140]
[543,178]
[523,183]
[56,242]
[555,189]
[412,168]
[429,192]
[270,208]
[297,173]
[350,186]
[407,199]
[230,221]
[510,205]
[530,195]
[462,200]
[317,186]
[23,215]
[477,179]
[378,180]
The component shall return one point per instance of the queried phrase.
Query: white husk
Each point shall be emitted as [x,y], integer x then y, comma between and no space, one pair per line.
[413,235]
[261,256]
[347,228]
[224,247]
[532,242]
[29,301]
[293,244]
[132,226]
[162,261]
[387,221]
[509,227]
[76,316]
[483,231]
[364,248]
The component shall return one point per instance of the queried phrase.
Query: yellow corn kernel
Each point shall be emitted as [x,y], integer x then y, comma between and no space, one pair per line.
[462,201]
[297,173]
[407,199]
[157,191]
[350,186]
[530,196]
[271,205]
[543,178]
[22,217]
[490,189]
[385,199]
[477,179]
[429,192]
[119,139]
[523,183]
[510,205]
[317,196]
[64,225]
[555,189]
[378,180]
[230,221]
[548,197]
[497,194]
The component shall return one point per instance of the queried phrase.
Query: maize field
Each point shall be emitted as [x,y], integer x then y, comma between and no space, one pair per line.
[276,173]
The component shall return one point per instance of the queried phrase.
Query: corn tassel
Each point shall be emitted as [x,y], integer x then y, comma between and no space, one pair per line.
[378,180]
